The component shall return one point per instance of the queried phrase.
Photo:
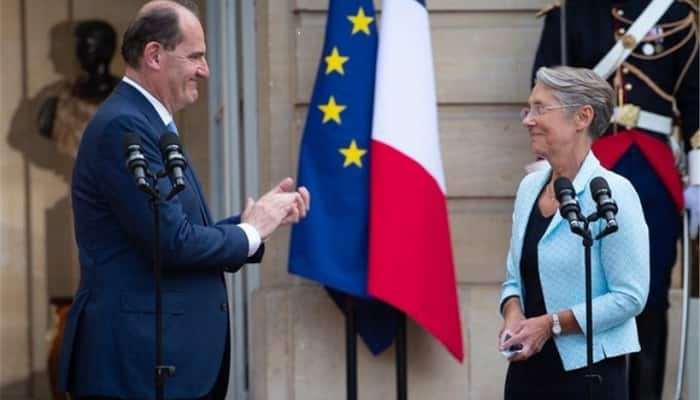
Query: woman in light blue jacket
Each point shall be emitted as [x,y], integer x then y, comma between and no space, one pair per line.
[543,295]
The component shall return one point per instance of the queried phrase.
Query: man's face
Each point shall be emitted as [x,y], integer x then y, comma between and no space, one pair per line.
[185,65]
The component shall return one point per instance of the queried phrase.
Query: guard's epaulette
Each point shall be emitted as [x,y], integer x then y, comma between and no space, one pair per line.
[695,140]
[546,9]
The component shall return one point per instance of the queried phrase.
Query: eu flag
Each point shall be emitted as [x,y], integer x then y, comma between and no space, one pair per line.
[330,245]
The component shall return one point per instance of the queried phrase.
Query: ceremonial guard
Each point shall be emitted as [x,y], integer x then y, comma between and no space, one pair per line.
[648,50]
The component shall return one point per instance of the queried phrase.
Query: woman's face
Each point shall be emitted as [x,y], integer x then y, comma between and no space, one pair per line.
[550,124]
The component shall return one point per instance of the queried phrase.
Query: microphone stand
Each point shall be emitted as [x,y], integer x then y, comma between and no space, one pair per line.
[135,162]
[591,378]
[582,229]
[162,372]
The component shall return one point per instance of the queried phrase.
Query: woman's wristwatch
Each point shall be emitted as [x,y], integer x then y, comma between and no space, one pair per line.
[556,326]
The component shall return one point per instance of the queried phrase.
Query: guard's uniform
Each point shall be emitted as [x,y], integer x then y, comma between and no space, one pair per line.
[660,76]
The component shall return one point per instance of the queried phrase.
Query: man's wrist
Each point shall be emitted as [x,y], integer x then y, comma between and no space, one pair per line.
[254,239]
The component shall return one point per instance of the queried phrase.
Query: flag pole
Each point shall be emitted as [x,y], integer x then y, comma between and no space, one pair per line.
[401,393]
[350,349]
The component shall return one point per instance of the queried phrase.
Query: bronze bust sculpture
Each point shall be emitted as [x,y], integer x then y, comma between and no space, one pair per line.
[63,115]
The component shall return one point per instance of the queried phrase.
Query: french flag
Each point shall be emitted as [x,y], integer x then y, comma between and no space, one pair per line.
[410,253]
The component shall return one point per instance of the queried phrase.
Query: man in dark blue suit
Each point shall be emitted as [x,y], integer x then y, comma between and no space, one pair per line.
[109,344]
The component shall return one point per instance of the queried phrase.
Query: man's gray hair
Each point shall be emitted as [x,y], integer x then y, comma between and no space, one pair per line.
[581,86]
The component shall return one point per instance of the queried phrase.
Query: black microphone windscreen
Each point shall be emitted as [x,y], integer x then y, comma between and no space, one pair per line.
[562,185]
[168,139]
[130,139]
[598,184]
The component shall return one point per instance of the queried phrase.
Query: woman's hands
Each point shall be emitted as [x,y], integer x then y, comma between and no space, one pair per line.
[512,317]
[531,333]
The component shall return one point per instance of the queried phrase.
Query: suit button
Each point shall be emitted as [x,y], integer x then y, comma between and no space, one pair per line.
[223,306]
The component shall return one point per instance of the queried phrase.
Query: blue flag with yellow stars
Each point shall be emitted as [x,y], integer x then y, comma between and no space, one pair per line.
[330,244]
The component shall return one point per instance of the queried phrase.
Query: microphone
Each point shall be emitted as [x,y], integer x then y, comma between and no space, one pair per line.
[568,206]
[174,160]
[606,206]
[135,161]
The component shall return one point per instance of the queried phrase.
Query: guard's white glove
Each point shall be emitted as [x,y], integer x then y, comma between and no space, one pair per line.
[691,196]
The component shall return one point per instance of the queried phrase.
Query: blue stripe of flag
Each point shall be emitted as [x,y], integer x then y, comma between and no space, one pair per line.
[330,244]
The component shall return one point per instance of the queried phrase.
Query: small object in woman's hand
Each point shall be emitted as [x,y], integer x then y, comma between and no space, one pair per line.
[510,351]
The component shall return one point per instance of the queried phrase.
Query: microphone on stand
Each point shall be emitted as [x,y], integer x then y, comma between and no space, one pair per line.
[136,161]
[606,206]
[568,206]
[175,162]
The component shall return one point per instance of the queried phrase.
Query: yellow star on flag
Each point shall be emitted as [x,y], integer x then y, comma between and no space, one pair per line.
[352,154]
[360,22]
[335,62]
[331,110]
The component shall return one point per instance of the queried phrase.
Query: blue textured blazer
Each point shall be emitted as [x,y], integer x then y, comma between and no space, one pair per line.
[109,339]
[620,266]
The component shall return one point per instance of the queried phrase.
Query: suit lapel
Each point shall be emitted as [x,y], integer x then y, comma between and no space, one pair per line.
[133,96]
[529,199]
[191,175]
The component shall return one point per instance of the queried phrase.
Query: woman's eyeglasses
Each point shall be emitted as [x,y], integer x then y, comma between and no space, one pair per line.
[539,109]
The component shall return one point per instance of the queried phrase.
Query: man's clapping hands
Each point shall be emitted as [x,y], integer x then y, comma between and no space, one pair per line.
[281,205]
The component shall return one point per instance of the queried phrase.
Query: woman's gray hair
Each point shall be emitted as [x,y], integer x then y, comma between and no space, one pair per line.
[581,86]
